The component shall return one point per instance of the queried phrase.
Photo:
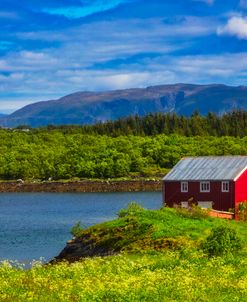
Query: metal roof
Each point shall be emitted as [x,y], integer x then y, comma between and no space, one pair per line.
[208,168]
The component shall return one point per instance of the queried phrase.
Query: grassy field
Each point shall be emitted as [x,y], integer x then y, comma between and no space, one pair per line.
[161,258]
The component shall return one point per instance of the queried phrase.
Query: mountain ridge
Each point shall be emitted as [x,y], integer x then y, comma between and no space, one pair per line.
[87,107]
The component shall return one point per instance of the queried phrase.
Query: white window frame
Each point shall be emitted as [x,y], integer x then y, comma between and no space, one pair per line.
[184,186]
[225,186]
[205,186]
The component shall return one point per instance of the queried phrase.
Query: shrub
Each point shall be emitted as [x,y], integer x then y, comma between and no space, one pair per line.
[132,208]
[76,229]
[222,241]
[242,211]
[193,211]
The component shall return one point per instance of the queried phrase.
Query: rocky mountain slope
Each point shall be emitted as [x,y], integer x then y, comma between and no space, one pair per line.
[91,107]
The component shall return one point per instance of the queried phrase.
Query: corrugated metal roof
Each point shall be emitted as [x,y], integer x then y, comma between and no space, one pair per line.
[208,168]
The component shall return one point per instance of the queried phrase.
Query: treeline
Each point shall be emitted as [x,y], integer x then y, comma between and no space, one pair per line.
[59,154]
[229,124]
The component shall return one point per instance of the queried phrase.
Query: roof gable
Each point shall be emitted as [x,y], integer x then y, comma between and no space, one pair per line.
[208,168]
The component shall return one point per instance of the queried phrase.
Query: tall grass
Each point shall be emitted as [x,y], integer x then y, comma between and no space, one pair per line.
[146,269]
[150,277]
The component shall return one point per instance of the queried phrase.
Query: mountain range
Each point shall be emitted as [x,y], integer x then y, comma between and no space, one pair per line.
[91,107]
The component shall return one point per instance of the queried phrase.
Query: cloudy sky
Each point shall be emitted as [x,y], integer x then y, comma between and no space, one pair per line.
[50,48]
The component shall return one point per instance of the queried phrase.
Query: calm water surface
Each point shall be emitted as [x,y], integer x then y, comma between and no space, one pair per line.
[35,225]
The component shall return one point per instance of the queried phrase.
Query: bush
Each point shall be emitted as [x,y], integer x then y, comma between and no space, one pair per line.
[76,229]
[222,241]
[132,208]
[193,211]
[242,211]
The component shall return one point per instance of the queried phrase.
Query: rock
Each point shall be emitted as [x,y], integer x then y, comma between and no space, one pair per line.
[21,181]
[82,248]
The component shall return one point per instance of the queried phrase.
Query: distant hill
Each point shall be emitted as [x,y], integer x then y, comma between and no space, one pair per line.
[91,107]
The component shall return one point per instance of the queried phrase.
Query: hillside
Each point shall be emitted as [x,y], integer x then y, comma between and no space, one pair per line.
[91,107]
[160,258]
[139,230]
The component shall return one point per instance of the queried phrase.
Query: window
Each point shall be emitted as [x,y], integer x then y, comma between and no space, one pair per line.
[184,186]
[225,186]
[204,186]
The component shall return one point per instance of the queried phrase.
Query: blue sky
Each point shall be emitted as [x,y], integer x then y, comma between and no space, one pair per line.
[50,48]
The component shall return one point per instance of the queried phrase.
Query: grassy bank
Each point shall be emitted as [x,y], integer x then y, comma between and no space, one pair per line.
[161,257]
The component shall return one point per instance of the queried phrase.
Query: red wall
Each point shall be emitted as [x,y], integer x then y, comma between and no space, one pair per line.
[222,201]
[241,188]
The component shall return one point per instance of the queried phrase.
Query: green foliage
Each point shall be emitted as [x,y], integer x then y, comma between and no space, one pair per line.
[242,211]
[132,209]
[229,124]
[62,154]
[157,269]
[193,211]
[222,241]
[77,229]
[138,229]
[160,277]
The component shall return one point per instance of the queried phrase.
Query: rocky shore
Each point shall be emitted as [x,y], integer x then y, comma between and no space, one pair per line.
[83,186]
[83,247]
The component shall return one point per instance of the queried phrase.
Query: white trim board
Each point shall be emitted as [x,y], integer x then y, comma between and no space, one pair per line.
[240,173]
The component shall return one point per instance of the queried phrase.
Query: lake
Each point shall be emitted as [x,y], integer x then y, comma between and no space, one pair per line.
[37,225]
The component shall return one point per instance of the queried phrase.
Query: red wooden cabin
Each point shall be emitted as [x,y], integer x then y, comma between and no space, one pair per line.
[217,182]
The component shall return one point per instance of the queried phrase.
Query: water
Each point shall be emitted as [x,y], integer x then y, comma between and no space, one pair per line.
[35,225]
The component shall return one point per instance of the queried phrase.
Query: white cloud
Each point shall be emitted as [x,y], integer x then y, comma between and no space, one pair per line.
[8,106]
[117,79]
[223,68]
[43,36]
[27,61]
[219,67]
[84,59]
[100,42]
[236,26]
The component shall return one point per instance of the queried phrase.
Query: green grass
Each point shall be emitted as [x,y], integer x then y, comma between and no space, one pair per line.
[160,260]
[140,230]
[149,277]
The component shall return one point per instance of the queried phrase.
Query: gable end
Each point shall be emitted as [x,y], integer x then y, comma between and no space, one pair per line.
[239,174]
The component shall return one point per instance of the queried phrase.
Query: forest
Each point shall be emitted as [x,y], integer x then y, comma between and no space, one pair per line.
[42,154]
[229,124]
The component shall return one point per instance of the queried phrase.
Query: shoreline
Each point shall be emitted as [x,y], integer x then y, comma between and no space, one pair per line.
[85,186]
